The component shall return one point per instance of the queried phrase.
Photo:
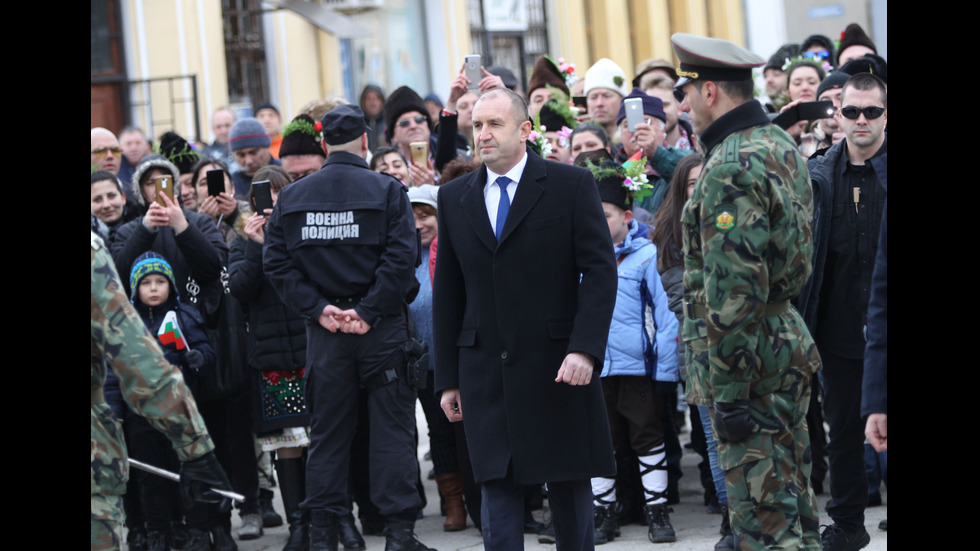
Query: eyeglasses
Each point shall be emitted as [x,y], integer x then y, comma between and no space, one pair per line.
[419,119]
[822,54]
[102,150]
[870,113]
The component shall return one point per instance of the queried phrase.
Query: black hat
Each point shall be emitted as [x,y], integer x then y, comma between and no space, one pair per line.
[553,115]
[266,105]
[402,101]
[652,105]
[300,137]
[854,35]
[609,180]
[342,124]
[869,63]
[835,79]
[821,40]
[505,74]
[178,151]
[784,53]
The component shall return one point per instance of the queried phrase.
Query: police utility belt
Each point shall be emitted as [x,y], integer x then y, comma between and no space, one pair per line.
[696,310]
[409,363]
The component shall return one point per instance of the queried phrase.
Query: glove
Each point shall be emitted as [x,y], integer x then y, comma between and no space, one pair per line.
[733,422]
[194,360]
[198,476]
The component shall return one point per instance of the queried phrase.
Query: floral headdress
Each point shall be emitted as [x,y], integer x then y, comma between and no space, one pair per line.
[567,71]
[536,138]
[632,174]
[314,130]
[823,64]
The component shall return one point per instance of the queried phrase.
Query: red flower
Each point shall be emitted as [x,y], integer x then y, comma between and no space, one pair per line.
[318,126]
[272,377]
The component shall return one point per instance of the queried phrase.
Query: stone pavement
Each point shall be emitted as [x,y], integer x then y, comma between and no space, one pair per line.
[696,529]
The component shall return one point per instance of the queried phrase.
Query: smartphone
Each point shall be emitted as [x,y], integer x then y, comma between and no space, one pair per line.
[262,192]
[806,111]
[634,112]
[420,153]
[580,101]
[216,182]
[164,186]
[471,68]
[813,110]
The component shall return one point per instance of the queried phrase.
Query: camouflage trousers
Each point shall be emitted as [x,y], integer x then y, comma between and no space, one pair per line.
[107,522]
[767,476]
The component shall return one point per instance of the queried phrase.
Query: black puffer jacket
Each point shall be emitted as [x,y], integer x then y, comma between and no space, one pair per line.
[276,333]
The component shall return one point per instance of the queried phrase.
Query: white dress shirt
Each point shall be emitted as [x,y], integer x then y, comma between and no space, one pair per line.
[491,192]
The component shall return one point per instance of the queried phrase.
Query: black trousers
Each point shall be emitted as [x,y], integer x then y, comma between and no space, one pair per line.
[229,422]
[845,450]
[339,364]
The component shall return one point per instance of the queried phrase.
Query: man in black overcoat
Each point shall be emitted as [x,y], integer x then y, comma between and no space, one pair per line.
[524,290]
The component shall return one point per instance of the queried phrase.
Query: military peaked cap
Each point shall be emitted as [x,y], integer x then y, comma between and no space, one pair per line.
[704,58]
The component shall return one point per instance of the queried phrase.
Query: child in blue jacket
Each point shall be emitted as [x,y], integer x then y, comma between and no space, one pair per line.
[635,363]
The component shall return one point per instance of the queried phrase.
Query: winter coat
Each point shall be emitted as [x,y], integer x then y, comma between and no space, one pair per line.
[640,296]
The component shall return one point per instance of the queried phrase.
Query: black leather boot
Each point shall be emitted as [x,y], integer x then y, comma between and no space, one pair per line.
[400,536]
[727,541]
[349,536]
[323,531]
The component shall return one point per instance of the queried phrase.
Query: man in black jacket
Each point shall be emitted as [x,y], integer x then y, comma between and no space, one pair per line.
[849,202]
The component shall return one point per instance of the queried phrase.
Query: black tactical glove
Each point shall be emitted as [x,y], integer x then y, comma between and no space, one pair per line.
[198,476]
[733,422]
[194,360]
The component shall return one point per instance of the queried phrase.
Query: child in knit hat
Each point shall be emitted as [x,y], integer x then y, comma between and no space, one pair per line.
[178,329]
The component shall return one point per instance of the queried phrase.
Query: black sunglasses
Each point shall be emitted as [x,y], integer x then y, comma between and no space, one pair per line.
[419,119]
[870,113]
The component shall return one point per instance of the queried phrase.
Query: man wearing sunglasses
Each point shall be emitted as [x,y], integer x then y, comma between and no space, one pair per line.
[848,186]
[107,155]
[747,247]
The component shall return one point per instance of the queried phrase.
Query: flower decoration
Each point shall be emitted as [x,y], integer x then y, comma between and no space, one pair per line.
[314,130]
[818,62]
[566,70]
[632,173]
[564,135]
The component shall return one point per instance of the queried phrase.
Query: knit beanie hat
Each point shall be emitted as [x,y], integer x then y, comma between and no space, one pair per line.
[835,79]
[148,263]
[178,151]
[301,136]
[853,35]
[148,163]
[248,132]
[652,106]
[402,101]
[606,74]
[545,72]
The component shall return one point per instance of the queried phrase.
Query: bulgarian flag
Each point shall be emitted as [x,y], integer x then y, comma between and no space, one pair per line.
[170,332]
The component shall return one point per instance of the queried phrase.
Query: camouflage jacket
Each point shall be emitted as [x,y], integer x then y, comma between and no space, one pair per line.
[149,384]
[747,250]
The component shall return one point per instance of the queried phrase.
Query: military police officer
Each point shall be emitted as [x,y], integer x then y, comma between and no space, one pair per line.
[747,247]
[341,249]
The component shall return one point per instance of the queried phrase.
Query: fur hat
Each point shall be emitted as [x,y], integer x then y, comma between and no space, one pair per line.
[545,72]
[178,151]
[553,115]
[301,137]
[609,180]
[402,101]
[785,52]
[606,74]
[853,35]
[148,163]
[868,63]
[248,132]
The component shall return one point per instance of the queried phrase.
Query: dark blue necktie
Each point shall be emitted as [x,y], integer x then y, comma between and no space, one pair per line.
[503,207]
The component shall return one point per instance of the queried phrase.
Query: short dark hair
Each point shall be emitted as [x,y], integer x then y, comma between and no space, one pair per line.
[103,175]
[866,81]
[740,91]
[379,154]
[592,128]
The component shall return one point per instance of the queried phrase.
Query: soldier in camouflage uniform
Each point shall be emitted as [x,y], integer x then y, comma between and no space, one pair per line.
[153,388]
[747,249]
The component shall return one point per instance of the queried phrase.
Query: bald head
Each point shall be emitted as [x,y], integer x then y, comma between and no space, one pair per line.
[106,152]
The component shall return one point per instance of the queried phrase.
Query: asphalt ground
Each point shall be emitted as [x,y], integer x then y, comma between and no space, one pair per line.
[696,529]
